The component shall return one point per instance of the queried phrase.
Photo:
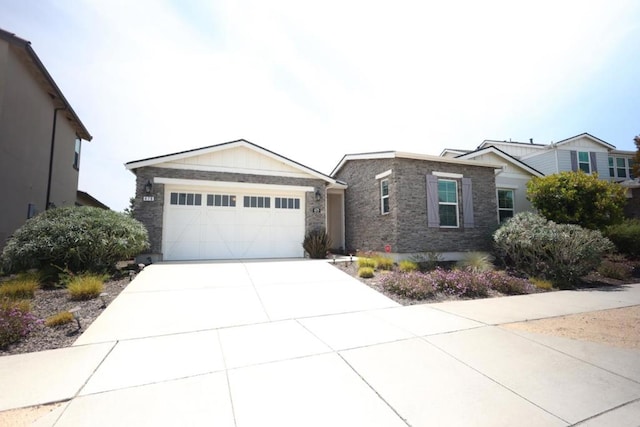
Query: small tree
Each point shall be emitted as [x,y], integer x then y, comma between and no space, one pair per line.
[130,211]
[577,198]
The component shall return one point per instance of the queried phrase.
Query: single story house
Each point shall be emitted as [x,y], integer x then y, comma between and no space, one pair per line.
[235,200]
[406,203]
[238,200]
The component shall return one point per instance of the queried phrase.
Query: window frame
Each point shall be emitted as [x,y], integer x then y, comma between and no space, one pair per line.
[384,210]
[513,203]
[176,197]
[288,203]
[587,162]
[256,202]
[77,150]
[456,203]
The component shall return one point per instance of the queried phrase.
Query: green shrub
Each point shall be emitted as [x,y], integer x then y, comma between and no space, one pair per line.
[366,262]
[317,243]
[615,270]
[626,236]
[476,262]
[76,238]
[59,319]
[383,263]
[561,253]
[365,272]
[407,266]
[16,321]
[19,288]
[577,198]
[85,287]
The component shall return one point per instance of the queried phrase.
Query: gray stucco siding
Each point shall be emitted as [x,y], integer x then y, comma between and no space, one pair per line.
[151,213]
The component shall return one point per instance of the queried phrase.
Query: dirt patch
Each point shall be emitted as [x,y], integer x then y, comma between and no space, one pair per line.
[618,327]
[25,416]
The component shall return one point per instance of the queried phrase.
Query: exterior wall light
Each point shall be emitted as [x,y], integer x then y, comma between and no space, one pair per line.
[318,195]
[148,187]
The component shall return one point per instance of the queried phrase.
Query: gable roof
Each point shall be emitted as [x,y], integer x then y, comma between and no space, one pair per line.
[404,155]
[507,157]
[151,161]
[45,80]
[589,136]
[457,152]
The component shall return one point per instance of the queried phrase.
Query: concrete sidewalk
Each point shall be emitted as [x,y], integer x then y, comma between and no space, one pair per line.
[296,343]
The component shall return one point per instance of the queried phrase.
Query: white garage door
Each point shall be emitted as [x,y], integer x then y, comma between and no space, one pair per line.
[232,224]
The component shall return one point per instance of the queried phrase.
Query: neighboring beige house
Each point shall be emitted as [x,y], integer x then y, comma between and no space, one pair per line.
[40,138]
[522,161]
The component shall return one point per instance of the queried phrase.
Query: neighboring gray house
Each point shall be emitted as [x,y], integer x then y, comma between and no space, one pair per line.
[406,203]
[522,161]
[40,138]
[233,200]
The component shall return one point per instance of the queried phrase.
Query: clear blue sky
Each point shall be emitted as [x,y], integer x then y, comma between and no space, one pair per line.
[315,80]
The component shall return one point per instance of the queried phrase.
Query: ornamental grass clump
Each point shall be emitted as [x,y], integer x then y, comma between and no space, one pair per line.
[476,262]
[406,266]
[85,287]
[365,272]
[317,243]
[59,319]
[16,321]
[366,262]
[383,263]
[19,288]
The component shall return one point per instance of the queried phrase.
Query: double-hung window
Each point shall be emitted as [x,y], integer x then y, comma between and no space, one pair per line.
[505,204]
[583,161]
[448,202]
[384,196]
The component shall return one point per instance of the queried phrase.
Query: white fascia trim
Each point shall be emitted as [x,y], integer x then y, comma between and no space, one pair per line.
[446,160]
[230,184]
[363,156]
[448,175]
[224,169]
[220,147]
[383,174]
[506,187]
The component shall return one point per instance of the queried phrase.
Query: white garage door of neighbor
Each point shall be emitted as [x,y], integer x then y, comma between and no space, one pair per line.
[230,224]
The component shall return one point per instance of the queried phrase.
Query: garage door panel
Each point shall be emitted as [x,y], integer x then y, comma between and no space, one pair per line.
[227,232]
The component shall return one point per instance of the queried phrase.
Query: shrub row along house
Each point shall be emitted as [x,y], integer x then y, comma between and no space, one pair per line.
[238,200]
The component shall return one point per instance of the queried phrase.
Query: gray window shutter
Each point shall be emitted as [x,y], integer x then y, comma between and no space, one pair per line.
[594,161]
[467,203]
[574,160]
[433,215]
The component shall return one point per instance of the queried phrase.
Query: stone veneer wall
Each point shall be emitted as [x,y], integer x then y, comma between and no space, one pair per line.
[151,213]
[405,227]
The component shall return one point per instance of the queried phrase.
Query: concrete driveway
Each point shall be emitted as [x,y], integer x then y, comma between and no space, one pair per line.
[299,343]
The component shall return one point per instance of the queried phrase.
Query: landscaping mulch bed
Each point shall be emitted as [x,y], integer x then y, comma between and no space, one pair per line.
[52,301]
[351,268]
